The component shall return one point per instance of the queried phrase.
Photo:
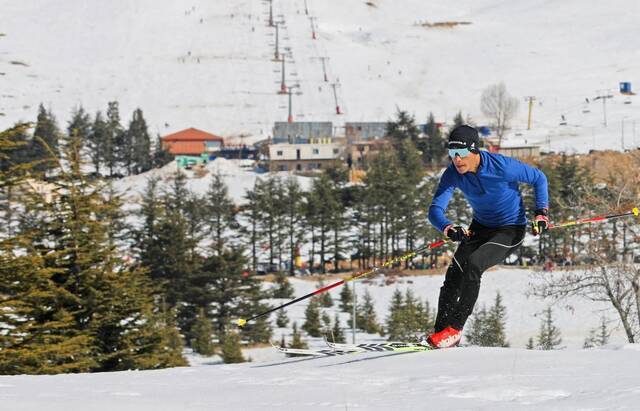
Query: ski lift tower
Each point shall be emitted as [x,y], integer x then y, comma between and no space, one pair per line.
[290,90]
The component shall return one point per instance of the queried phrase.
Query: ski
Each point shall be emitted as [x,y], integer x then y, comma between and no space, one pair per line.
[326,352]
[342,349]
[388,346]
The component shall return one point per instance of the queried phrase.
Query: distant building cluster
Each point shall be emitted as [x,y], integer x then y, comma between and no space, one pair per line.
[306,146]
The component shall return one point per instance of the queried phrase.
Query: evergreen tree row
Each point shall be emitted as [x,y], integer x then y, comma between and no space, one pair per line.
[70,301]
[110,147]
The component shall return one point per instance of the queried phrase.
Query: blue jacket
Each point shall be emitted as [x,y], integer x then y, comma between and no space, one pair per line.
[492,191]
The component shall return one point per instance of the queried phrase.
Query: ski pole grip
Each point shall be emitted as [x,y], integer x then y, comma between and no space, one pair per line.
[636,212]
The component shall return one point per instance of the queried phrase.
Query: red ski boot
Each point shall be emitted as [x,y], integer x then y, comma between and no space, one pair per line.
[447,338]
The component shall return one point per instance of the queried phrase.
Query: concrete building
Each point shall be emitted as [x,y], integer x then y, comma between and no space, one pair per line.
[364,141]
[300,132]
[304,157]
[365,131]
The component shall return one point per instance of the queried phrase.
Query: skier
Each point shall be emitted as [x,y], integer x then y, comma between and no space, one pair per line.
[489,182]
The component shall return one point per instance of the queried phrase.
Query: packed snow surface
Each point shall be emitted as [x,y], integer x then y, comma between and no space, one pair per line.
[456,379]
[467,378]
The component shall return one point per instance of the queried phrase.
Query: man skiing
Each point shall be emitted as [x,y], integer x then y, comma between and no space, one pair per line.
[489,182]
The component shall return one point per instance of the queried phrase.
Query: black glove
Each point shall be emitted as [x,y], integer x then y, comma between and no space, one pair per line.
[456,233]
[540,223]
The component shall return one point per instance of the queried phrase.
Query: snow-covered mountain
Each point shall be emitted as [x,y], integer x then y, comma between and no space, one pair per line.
[210,64]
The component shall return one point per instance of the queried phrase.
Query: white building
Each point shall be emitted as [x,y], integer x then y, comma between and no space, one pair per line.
[304,157]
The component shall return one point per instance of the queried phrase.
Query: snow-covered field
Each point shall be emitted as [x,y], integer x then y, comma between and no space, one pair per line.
[238,175]
[468,378]
[209,64]
[459,379]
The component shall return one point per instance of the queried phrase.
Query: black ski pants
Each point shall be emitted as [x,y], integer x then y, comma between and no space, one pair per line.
[485,248]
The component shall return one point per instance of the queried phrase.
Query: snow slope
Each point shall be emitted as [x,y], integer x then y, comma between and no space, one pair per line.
[209,64]
[238,175]
[465,378]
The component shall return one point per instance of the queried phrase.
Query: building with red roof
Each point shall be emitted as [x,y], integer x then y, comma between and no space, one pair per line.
[192,142]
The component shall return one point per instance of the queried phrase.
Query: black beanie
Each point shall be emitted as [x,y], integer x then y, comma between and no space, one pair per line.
[464,137]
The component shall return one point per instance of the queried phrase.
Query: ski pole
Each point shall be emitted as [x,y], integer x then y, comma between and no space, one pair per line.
[242,322]
[634,212]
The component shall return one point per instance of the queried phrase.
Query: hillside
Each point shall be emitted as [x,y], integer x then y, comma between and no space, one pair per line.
[210,64]
[464,378]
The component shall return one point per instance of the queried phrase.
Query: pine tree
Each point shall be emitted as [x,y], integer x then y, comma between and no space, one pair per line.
[411,314]
[115,300]
[166,244]
[113,146]
[325,298]
[495,334]
[161,156]
[283,288]
[296,338]
[39,334]
[250,304]
[487,328]
[202,333]
[404,128]
[220,212]
[326,321]
[337,334]
[233,293]
[530,344]
[46,138]
[170,338]
[13,170]
[458,120]
[79,306]
[292,219]
[139,153]
[346,299]
[282,319]
[252,213]
[434,148]
[549,335]
[598,336]
[327,217]
[231,350]
[97,140]
[312,324]
[80,125]
[428,318]
[395,320]
[366,318]
[477,327]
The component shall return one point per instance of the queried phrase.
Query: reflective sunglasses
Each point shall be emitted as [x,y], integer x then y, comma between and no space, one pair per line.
[460,152]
